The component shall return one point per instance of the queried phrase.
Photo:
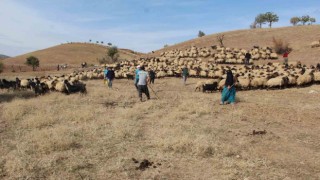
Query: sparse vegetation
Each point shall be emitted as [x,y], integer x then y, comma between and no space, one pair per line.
[312,20]
[261,19]
[201,34]
[271,17]
[33,61]
[220,38]
[280,46]
[1,67]
[166,45]
[305,19]
[113,53]
[295,20]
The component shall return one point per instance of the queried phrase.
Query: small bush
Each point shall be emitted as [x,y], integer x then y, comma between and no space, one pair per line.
[280,46]
[1,67]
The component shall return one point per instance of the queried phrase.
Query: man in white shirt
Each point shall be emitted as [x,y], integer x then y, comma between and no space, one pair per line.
[143,83]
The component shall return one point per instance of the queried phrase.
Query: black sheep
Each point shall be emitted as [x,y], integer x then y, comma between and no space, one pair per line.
[209,87]
[74,88]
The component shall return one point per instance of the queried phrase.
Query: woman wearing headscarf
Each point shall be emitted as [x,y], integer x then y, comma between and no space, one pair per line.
[229,90]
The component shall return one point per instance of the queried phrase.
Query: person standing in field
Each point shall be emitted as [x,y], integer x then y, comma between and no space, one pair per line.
[152,76]
[185,74]
[229,91]
[285,57]
[143,83]
[136,79]
[110,77]
[105,72]
[247,58]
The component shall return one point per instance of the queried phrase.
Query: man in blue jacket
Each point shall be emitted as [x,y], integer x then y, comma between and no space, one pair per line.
[110,77]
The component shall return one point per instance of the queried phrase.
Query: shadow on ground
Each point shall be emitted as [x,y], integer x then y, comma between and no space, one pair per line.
[8,96]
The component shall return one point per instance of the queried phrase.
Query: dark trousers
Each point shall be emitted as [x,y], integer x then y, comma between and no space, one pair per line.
[136,83]
[152,80]
[143,89]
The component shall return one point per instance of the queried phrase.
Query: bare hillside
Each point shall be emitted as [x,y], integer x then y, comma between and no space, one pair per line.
[299,38]
[74,53]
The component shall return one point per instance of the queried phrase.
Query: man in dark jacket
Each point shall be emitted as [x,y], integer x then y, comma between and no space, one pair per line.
[152,76]
[247,58]
[110,77]
[185,74]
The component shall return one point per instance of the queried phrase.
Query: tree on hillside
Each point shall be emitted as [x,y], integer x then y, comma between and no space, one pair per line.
[1,67]
[166,45]
[305,19]
[254,25]
[97,42]
[90,40]
[270,17]
[101,42]
[260,19]
[109,44]
[113,53]
[220,38]
[295,20]
[33,61]
[312,20]
[200,34]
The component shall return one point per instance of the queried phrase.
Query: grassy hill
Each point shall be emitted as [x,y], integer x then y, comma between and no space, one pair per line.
[3,57]
[299,38]
[74,54]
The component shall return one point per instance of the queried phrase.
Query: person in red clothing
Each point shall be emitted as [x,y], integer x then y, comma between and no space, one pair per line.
[285,57]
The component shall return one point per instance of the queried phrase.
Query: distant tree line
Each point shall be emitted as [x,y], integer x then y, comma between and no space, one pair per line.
[303,20]
[270,18]
[263,18]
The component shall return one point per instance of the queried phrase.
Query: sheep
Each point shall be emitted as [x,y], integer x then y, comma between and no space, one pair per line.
[24,84]
[243,83]
[59,86]
[315,44]
[258,82]
[305,79]
[316,77]
[277,82]
[209,87]
[199,85]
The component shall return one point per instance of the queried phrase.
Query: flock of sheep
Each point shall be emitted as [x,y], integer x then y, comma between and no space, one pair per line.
[221,55]
[42,85]
[170,64]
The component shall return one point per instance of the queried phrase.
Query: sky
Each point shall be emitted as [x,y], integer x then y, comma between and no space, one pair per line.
[140,25]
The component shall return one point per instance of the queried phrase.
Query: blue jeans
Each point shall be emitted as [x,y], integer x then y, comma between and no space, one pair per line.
[110,83]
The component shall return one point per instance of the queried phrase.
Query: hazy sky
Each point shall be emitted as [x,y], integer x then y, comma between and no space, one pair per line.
[140,25]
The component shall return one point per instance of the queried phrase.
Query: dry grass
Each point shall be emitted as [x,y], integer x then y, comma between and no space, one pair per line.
[72,54]
[95,136]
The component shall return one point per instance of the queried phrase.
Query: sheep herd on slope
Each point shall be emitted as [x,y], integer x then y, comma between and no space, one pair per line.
[271,75]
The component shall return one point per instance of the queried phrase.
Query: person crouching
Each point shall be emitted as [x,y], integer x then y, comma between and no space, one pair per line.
[143,83]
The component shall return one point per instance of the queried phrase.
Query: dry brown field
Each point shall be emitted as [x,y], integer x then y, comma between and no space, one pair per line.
[186,134]
[71,54]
